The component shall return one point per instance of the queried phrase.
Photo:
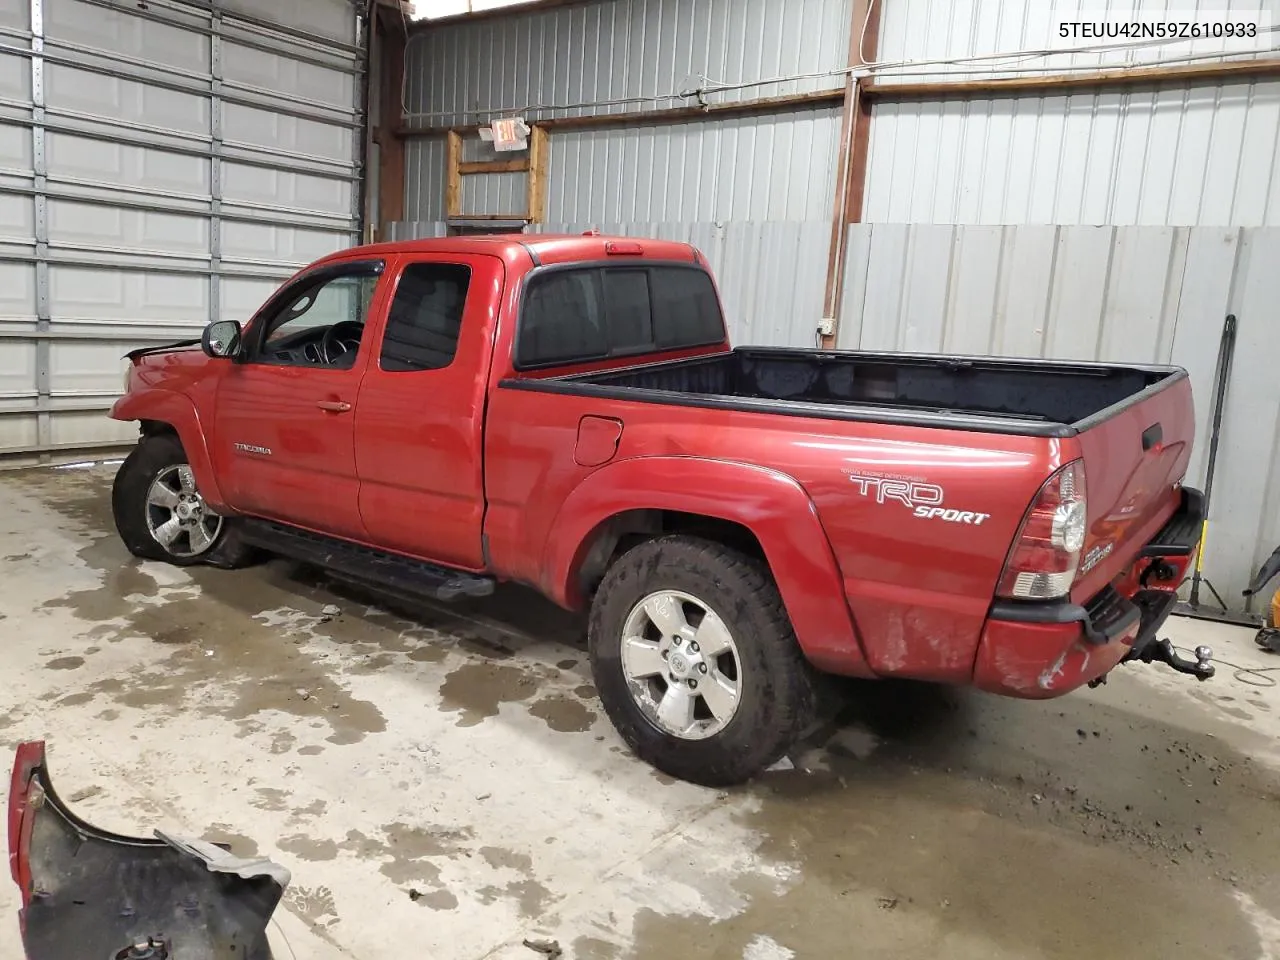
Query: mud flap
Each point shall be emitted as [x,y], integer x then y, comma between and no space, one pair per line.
[90,893]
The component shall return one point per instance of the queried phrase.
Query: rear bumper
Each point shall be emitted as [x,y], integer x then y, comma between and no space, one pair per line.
[1041,650]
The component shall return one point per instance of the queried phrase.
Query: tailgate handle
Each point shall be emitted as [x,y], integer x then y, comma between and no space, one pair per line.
[1153,436]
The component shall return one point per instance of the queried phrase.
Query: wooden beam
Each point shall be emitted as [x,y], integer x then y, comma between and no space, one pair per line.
[638,118]
[453,175]
[1048,84]
[493,166]
[391,149]
[851,164]
[539,156]
[487,217]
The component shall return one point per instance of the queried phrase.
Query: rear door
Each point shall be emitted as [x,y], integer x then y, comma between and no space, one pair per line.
[420,415]
[1134,461]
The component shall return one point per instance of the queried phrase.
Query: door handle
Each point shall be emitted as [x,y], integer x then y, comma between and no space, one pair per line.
[333,406]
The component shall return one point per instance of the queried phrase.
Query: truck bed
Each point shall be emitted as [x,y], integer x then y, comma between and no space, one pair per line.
[1032,397]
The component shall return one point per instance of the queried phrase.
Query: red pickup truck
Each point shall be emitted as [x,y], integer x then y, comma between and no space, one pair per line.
[432,417]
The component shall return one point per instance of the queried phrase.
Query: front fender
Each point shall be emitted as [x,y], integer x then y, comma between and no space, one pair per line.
[772,505]
[165,406]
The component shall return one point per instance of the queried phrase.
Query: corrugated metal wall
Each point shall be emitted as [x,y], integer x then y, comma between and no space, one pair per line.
[1178,156]
[947,30]
[618,56]
[160,165]
[1170,154]
[767,167]
[1124,294]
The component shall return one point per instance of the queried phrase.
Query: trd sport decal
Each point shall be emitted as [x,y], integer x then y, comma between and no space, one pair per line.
[924,500]
[252,448]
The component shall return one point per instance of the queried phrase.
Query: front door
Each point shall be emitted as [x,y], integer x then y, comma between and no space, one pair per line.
[285,445]
[420,419]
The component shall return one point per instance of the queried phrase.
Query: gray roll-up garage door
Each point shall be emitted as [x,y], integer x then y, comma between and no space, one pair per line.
[161,163]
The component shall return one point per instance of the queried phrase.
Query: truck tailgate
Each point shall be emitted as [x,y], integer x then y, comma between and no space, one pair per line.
[1135,458]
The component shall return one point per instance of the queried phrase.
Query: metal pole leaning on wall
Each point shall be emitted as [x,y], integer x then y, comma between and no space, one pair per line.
[1222,379]
[851,164]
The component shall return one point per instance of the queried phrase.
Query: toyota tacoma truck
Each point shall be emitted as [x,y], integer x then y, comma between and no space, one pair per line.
[434,417]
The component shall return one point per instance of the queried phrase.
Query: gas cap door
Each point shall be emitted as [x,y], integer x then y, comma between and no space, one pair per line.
[598,439]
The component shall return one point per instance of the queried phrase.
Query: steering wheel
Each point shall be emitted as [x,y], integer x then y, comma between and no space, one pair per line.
[333,347]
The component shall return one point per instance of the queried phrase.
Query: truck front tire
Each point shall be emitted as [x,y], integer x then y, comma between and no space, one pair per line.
[160,514]
[696,661]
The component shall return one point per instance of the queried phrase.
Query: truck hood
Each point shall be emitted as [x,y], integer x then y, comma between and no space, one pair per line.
[128,898]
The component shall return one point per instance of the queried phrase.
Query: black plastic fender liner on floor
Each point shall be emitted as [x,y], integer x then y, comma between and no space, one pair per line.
[87,892]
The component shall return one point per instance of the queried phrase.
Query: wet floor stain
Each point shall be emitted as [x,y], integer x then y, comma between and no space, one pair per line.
[530,896]
[240,845]
[308,848]
[65,663]
[979,827]
[563,714]
[315,904]
[476,690]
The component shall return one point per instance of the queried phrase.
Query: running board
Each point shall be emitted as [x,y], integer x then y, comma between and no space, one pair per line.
[375,569]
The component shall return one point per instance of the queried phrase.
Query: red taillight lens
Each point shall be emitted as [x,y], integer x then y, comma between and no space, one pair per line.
[1046,553]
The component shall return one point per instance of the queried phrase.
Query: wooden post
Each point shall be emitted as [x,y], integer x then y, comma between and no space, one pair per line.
[453,176]
[539,153]
[851,167]
[391,149]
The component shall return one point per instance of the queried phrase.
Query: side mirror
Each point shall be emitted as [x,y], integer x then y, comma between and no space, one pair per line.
[221,338]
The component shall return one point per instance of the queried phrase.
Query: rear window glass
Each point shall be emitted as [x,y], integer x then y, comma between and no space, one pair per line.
[593,312]
[425,317]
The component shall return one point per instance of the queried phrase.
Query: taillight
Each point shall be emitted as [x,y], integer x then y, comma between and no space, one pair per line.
[1046,553]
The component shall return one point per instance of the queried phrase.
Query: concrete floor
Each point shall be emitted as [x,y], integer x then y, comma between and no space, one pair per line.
[442,784]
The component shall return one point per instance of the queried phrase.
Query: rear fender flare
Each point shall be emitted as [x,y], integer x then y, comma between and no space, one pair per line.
[772,505]
[165,406]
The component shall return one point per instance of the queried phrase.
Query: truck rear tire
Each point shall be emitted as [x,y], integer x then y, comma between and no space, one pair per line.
[160,514]
[696,661]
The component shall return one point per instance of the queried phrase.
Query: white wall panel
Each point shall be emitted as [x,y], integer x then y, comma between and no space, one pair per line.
[282,190]
[140,38]
[327,18]
[284,75]
[125,165]
[135,103]
[142,231]
[17,292]
[17,370]
[15,75]
[169,153]
[133,296]
[241,298]
[264,241]
[17,217]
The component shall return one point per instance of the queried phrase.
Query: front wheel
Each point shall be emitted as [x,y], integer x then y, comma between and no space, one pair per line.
[161,515]
[696,661]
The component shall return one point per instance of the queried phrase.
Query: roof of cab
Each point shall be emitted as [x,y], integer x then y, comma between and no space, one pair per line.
[534,249]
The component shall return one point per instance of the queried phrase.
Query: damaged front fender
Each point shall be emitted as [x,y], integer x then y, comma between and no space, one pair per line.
[90,893]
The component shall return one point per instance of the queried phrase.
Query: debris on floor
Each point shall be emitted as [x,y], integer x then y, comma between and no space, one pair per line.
[548,948]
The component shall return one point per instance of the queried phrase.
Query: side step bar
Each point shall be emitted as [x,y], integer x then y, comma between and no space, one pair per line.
[373,568]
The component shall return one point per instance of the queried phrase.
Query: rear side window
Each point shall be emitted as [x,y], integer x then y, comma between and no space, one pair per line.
[593,312]
[425,318]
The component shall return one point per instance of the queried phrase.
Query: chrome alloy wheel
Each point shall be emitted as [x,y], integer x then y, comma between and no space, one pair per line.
[681,665]
[177,515]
